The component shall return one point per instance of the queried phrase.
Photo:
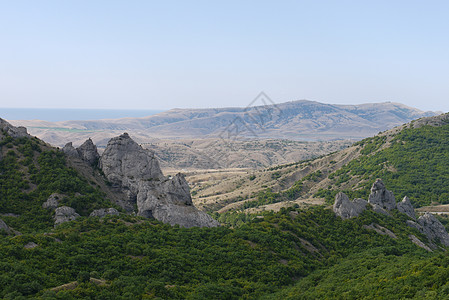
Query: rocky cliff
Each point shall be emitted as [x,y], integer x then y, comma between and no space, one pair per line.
[14,132]
[382,200]
[136,172]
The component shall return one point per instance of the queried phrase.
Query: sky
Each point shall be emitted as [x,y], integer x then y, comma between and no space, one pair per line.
[133,54]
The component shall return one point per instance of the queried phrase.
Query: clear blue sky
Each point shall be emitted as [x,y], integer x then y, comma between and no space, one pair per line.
[165,54]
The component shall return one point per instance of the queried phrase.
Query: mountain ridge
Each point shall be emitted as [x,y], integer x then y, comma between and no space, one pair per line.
[296,120]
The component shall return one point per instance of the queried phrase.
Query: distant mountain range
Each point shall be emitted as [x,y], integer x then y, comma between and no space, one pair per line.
[296,120]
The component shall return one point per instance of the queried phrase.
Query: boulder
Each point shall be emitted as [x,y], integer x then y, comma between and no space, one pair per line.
[69,150]
[381,196]
[346,209]
[136,172]
[30,245]
[433,229]
[4,227]
[405,206]
[52,201]
[88,152]
[103,212]
[65,214]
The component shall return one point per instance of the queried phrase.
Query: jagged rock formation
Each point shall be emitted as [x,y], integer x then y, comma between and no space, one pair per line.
[88,152]
[103,212]
[15,132]
[52,201]
[4,227]
[65,214]
[382,201]
[381,196]
[346,209]
[135,171]
[69,150]
[125,164]
[433,229]
[405,206]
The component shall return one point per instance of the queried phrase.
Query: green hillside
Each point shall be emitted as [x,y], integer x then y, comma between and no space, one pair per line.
[144,258]
[413,163]
[294,253]
[30,171]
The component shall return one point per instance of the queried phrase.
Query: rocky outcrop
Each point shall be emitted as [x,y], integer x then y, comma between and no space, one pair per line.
[52,201]
[88,152]
[65,214]
[380,230]
[382,201]
[136,172]
[381,196]
[103,212]
[126,164]
[405,206]
[4,227]
[346,209]
[69,150]
[15,132]
[433,229]
[418,242]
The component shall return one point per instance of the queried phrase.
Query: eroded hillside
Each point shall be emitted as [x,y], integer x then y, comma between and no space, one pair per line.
[412,158]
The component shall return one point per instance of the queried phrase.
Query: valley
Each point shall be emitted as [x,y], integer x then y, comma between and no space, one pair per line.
[120,228]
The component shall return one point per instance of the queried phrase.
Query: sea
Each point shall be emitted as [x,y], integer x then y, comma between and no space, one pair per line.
[65,114]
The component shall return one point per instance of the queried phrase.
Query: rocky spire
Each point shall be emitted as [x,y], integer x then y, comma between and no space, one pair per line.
[136,172]
[405,206]
[381,197]
[88,152]
[69,150]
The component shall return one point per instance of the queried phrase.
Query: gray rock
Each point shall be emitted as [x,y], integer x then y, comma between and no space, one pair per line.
[30,245]
[65,214]
[433,229]
[381,196]
[103,212]
[348,209]
[405,206]
[52,201]
[4,227]
[15,132]
[69,150]
[137,173]
[418,242]
[414,225]
[125,164]
[380,230]
[88,152]
[378,209]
